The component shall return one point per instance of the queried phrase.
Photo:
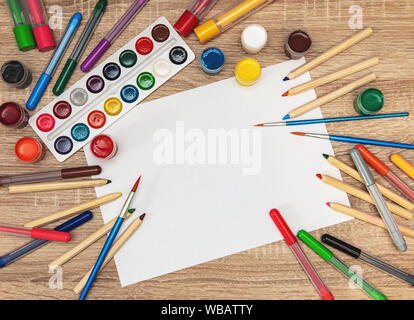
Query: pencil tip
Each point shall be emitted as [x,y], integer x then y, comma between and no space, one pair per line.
[286,79]
[325,155]
[286,117]
[142,216]
[328,204]
[285,94]
[131,210]
[298,133]
[319,176]
[259,125]
[134,188]
[108,181]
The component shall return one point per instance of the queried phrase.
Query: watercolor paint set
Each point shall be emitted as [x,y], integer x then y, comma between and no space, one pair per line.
[111,89]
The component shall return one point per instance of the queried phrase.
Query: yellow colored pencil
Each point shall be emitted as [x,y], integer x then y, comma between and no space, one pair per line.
[330,53]
[403,164]
[374,220]
[363,195]
[333,77]
[71,211]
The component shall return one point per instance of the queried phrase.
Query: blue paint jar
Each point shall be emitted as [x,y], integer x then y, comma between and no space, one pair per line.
[212,60]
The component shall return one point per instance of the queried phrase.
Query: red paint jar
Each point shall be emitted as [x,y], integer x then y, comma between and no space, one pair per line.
[29,149]
[13,115]
[103,147]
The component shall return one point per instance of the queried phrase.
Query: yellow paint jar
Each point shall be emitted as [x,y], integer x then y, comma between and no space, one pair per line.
[247,72]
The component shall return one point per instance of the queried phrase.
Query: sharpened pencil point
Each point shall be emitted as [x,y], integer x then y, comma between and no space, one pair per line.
[142,216]
[325,155]
[131,210]
[259,125]
[286,79]
[286,117]
[298,133]
[285,94]
[108,181]
[319,176]
[134,188]
[328,204]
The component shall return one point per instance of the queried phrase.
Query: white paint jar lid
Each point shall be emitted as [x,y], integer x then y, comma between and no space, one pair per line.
[253,38]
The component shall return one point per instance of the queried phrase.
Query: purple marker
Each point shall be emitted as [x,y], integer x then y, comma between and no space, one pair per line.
[112,35]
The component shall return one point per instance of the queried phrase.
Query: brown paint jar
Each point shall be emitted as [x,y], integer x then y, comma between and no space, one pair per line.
[298,44]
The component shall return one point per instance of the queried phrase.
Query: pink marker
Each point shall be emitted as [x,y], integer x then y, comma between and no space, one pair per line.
[294,245]
[386,172]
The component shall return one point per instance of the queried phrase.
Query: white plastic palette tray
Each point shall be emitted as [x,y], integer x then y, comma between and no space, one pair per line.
[58,134]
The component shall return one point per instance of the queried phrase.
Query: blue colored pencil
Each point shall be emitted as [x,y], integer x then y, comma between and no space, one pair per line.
[109,241]
[327,120]
[356,140]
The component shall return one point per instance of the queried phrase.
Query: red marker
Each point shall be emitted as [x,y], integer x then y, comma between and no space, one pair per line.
[293,244]
[386,172]
[38,233]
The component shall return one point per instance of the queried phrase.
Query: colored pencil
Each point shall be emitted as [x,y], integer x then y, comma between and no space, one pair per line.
[385,171]
[332,77]
[36,244]
[350,42]
[57,185]
[328,256]
[86,243]
[379,201]
[89,205]
[300,255]
[354,174]
[403,164]
[330,96]
[109,241]
[357,253]
[37,233]
[68,173]
[356,192]
[369,218]
[329,120]
[123,238]
[356,140]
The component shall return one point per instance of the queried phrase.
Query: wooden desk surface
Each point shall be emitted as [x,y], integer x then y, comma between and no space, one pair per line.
[268,272]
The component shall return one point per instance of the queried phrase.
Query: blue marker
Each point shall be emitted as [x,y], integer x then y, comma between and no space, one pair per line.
[44,79]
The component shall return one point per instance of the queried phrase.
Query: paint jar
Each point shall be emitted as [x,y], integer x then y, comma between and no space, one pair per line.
[247,72]
[253,38]
[103,147]
[22,29]
[35,10]
[29,149]
[298,44]
[16,75]
[369,101]
[13,115]
[212,61]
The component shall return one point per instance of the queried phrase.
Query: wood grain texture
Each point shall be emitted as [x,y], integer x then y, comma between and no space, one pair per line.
[268,272]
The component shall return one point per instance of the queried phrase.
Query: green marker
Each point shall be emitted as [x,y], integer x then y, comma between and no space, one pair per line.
[80,47]
[22,29]
[327,255]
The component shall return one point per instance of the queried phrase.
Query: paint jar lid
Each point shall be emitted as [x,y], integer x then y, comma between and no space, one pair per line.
[11,114]
[102,146]
[207,31]
[369,101]
[186,23]
[247,71]
[29,149]
[254,38]
[13,72]
[44,38]
[212,60]
[24,37]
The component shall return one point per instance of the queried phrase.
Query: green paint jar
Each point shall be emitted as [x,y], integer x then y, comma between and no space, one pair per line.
[369,101]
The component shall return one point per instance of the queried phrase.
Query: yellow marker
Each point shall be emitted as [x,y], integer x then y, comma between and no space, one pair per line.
[236,13]
[403,164]
[113,106]
[247,72]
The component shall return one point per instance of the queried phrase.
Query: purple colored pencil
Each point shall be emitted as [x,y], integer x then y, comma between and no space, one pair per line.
[105,43]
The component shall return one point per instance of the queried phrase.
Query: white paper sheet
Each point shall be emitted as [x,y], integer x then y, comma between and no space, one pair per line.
[204,211]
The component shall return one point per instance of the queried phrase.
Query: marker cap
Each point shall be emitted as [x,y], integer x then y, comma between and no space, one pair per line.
[24,37]
[186,23]
[315,245]
[207,31]
[283,227]
[44,38]
[376,163]
[362,167]
[341,245]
